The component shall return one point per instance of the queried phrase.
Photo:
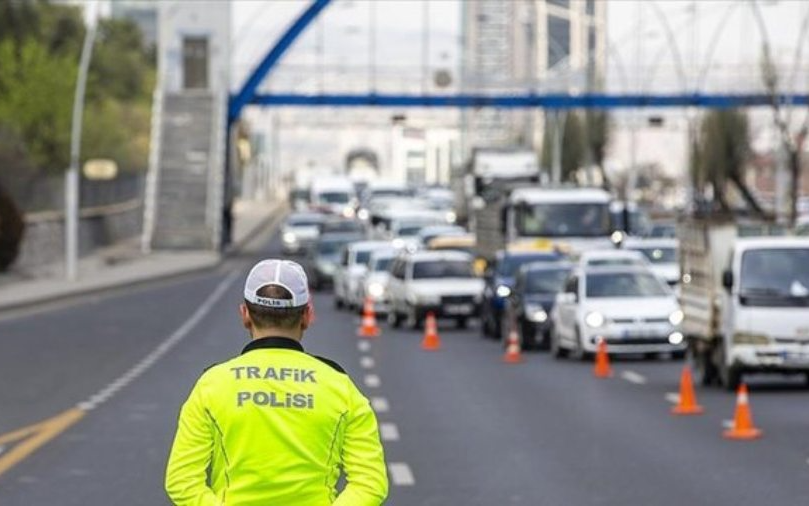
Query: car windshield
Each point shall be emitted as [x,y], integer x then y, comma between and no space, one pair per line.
[624,284]
[362,257]
[299,195]
[431,269]
[563,220]
[382,264]
[607,261]
[775,277]
[304,221]
[659,255]
[638,221]
[409,230]
[331,246]
[663,230]
[545,281]
[334,197]
[508,265]
[342,226]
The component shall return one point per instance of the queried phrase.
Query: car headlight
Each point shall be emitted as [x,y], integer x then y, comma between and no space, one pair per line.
[503,291]
[676,317]
[452,217]
[289,237]
[363,214]
[676,337]
[398,243]
[536,314]
[745,338]
[348,212]
[327,267]
[594,319]
[376,290]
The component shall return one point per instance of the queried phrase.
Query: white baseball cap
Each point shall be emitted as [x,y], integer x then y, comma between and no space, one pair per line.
[274,272]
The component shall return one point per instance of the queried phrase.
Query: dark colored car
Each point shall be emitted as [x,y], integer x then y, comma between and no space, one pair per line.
[342,226]
[499,278]
[322,259]
[532,299]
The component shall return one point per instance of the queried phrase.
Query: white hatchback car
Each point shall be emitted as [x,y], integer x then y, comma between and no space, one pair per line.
[662,255]
[441,282]
[350,271]
[629,307]
[375,282]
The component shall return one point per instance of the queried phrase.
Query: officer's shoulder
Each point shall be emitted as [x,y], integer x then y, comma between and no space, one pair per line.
[331,363]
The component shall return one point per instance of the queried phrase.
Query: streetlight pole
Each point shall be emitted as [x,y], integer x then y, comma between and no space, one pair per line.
[72,176]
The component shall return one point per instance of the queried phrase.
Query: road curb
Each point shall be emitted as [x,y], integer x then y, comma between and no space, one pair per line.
[271,221]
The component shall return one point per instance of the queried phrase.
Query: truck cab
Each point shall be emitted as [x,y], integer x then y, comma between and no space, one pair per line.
[746,304]
[577,217]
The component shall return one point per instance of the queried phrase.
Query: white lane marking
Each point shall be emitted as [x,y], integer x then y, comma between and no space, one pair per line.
[372,380]
[673,397]
[2,449]
[156,354]
[728,424]
[380,404]
[389,432]
[633,377]
[367,362]
[401,475]
[363,346]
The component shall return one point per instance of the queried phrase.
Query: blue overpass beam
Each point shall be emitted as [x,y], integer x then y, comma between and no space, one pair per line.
[546,101]
[247,93]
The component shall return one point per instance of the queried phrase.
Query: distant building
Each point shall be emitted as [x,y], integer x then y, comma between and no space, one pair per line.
[514,47]
[141,12]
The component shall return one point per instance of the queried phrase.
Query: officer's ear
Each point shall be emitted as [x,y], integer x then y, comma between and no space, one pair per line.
[246,322]
[308,316]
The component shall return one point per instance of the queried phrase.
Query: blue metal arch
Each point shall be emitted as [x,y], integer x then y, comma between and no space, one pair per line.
[247,93]
[529,100]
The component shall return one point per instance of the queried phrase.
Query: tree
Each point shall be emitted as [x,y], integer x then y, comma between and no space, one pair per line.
[722,153]
[573,145]
[597,124]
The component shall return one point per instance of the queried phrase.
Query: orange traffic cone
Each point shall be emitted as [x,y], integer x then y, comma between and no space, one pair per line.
[513,351]
[688,400]
[431,341]
[602,367]
[743,427]
[368,327]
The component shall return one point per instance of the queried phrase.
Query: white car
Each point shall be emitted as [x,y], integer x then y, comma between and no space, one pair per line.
[611,257]
[662,255]
[375,282]
[351,270]
[441,282]
[405,226]
[629,307]
[300,231]
[429,233]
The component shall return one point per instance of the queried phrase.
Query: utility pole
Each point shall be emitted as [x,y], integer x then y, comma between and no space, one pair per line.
[72,176]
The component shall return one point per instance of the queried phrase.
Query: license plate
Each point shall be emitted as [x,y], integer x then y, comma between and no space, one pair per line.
[796,357]
[637,333]
[458,309]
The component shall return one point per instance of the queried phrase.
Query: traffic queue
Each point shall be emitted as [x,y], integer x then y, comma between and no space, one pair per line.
[401,250]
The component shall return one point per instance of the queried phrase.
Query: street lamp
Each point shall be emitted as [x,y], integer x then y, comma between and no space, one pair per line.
[72,176]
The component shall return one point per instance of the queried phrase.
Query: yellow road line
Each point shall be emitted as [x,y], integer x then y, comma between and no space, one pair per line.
[29,439]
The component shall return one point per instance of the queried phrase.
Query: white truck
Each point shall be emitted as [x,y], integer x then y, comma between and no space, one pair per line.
[489,177]
[745,301]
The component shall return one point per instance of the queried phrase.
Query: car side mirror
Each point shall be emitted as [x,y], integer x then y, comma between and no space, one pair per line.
[727,280]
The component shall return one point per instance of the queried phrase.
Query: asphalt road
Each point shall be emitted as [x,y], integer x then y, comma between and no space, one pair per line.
[460,427]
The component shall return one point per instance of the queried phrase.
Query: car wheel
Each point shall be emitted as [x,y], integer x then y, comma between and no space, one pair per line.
[413,319]
[338,302]
[485,324]
[497,327]
[545,343]
[394,319]
[579,353]
[461,322]
[527,335]
[556,348]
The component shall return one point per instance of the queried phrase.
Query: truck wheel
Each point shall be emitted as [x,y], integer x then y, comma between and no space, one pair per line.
[731,378]
[706,370]
[338,302]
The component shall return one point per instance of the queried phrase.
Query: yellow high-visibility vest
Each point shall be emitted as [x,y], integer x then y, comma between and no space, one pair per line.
[274,426]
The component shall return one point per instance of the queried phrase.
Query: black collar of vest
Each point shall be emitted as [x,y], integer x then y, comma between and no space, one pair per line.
[273,342]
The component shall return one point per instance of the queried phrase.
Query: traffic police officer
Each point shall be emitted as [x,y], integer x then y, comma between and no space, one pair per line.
[275,425]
